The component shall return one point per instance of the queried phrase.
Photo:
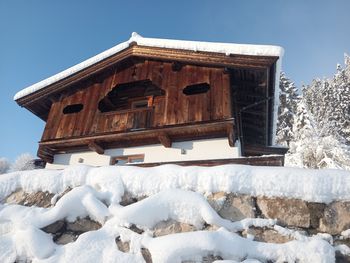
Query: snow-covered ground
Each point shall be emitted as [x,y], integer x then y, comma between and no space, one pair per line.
[174,192]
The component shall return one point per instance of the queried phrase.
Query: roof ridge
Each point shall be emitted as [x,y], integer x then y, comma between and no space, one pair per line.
[214,47]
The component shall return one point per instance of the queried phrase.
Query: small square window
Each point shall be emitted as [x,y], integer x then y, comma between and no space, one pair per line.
[139,104]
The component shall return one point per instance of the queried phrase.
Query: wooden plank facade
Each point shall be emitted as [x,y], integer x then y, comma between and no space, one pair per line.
[173,108]
[145,95]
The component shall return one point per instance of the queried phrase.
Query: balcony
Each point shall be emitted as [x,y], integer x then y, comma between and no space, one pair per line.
[138,131]
[126,120]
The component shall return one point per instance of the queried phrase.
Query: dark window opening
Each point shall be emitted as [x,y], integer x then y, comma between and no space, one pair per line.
[132,95]
[196,89]
[250,100]
[137,104]
[74,108]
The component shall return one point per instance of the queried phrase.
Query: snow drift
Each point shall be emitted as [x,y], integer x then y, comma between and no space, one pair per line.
[174,193]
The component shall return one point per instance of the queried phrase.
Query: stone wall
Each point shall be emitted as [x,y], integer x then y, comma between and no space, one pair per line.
[311,217]
[298,216]
[307,218]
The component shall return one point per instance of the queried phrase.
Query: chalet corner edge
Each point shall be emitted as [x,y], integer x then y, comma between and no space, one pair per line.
[153,101]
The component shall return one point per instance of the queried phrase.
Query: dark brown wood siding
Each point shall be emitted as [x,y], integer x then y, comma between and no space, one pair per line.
[173,108]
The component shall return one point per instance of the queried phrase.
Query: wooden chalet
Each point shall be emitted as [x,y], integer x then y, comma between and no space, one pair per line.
[151,101]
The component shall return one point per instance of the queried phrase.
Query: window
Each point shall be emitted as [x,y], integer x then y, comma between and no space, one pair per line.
[196,89]
[131,95]
[74,108]
[137,104]
[127,159]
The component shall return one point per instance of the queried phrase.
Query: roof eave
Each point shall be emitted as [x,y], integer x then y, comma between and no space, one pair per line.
[156,53]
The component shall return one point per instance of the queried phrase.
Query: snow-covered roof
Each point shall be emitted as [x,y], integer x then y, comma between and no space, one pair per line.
[225,48]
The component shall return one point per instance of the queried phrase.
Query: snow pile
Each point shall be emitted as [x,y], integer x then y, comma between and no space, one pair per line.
[183,206]
[174,193]
[322,186]
[179,247]
[226,48]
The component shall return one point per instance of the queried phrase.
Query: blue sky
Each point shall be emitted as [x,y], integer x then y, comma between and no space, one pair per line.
[41,38]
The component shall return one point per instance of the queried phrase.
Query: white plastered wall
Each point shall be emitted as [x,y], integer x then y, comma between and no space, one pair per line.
[181,151]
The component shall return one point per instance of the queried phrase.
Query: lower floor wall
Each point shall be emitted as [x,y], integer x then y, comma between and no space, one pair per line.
[208,149]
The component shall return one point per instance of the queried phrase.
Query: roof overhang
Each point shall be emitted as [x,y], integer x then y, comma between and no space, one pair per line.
[38,97]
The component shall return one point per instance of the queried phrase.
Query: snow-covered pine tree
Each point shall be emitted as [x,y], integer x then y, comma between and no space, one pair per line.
[303,132]
[286,111]
[23,162]
[329,103]
[340,114]
[316,96]
[302,125]
[321,128]
[312,148]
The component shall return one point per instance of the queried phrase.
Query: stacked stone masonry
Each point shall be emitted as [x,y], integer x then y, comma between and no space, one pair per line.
[305,217]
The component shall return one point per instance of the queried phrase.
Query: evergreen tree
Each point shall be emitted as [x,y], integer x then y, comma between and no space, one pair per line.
[287,109]
[302,125]
[329,102]
[311,148]
[23,162]
[321,128]
[299,153]
[340,114]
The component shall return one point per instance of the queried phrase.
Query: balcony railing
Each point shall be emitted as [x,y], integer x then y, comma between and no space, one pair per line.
[127,120]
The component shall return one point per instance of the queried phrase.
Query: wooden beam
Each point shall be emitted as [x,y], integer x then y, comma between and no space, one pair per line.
[182,56]
[205,58]
[193,128]
[46,150]
[94,146]
[274,160]
[46,154]
[230,135]
[254,150]
[177,133]
[164,139]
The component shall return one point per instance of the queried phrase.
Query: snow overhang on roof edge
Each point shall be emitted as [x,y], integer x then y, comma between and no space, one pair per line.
[225,48]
